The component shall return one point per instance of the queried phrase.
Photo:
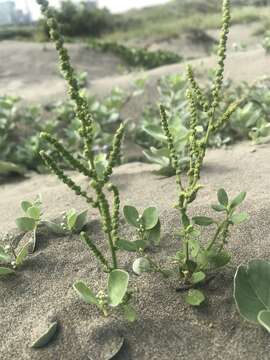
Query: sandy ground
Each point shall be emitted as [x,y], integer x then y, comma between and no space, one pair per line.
[167,328]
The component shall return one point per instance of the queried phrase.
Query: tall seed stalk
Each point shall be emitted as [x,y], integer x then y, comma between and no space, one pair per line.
[197,143]
[98,182]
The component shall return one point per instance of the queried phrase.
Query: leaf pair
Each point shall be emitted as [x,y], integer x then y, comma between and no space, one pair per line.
[32,218]
[148,226]
[148,220]
[117,287]
[76,221]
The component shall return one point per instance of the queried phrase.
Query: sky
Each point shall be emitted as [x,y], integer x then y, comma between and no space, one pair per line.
[113,5]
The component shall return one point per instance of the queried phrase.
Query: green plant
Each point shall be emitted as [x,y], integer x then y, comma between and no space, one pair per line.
[72,222]
[249,121]
[32,218]
[137,56]
[251,292]
[194,261]
[12,259]
[116,294]
[148,233]
[99,176]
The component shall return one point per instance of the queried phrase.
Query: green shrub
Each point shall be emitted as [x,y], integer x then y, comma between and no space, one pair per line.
[137,57]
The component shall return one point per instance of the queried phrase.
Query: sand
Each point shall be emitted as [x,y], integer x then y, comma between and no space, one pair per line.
[167,328]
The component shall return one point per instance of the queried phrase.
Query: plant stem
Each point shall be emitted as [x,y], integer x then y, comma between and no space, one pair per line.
[113,252]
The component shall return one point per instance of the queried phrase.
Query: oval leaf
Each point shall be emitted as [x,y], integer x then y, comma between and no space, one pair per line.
[195,297]
[25,205]
[203,220]
[129,313]
[251,289]
[197,277]
[264,319]
[85,293]
[117,286]
[239,218]
[80,221]
[238,199]
[6,271]
[131,215]
[154,234]
[26,223]
[141,265]
[55,228]
[45,338]
[71,219]
[222,197]
[22,254]
[218,207]
[126,245]
[33,212]
[150,218]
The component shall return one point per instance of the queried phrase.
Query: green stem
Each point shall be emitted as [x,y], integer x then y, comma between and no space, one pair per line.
[95,250]
[113,252]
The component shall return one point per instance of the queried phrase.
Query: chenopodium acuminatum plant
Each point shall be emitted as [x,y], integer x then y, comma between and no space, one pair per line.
[31,220]
[118,294]
[194,261]
[11,259]
[148,233]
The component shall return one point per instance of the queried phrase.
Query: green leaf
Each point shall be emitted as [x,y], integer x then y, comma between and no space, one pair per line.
[251,289]
[203,220]
[222,197]
[150,218]
[197,277]
[218,207]
[195,297]
[155,132]
[239,218]
[131,215]
[26,223]
[71,219]
[33,212]
[45,338]
[85,293]
[126,245]
[129,313]
[4,257]
[55,228]
[264,319]
[80,221]
[7,168]
[238,200]
[141,265]
[117,286]
[25,205]
[6,271]
[218,260]
[154,234]
[22,254]
[195,247]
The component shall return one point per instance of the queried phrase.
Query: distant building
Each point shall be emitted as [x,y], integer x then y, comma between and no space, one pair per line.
[7,12]
[9,15]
